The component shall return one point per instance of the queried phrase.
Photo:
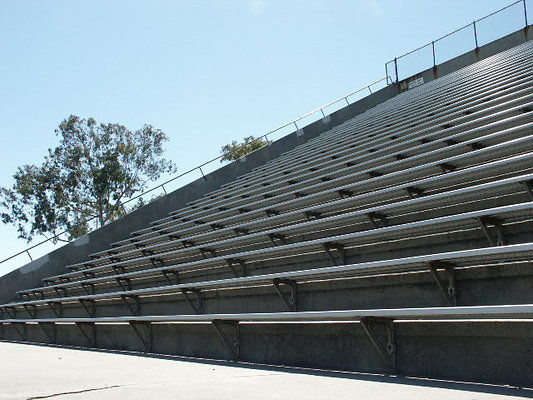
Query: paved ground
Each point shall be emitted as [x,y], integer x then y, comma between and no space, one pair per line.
[41,372]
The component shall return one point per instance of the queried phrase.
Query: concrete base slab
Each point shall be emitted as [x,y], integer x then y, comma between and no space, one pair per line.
[41,372]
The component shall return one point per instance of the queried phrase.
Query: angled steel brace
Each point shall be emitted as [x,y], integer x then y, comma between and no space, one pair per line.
[413,192]
[133,302]
[447,167]
[38,294]
[31,309]
[89,306]
[188,243]
[529,188]
[194,298]
[172,277]
[271,212]
[61,291]
[378,220]
[88,330]
[157,262]
[88,274]
[233,262]
[88,287]
[207,252]
[50,330]
[143,330]
[288,298]
[476,146]
[387,351]
[344,193]
[124,282]
[312,215]
[11,311]
[280,237]
[496,238]
[329,247]
[448,289]
[20,327]
[241,231]
[56,307]
[232,340]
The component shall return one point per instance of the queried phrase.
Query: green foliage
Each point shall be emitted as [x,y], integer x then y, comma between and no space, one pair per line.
[236,150]
[94,169]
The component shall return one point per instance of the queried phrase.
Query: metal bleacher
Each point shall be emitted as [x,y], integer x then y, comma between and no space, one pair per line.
[435,182]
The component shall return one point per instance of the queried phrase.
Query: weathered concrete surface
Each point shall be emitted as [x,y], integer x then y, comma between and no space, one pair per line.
[39,372]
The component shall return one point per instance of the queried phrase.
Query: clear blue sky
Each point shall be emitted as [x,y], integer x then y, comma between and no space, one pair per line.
[205,72]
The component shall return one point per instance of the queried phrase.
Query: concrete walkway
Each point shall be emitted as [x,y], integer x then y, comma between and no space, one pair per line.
[42,372]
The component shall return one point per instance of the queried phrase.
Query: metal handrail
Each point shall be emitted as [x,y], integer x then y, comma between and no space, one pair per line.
[294,122]
[432,43]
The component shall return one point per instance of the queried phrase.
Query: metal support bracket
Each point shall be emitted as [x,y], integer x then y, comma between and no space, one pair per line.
[132,302]
[31,309]
[157,262]
[232,339]
[143,330]
[207,252]
[280,237]
[387,350]
[61,291]
[88,287]
[447,167]
[288,298]
[329,247]
[270,212]
[50,330]
[88,330]
[413,192]
[448,289]
[344,193]
[241,231]
[88,274]
[56,307]
[194,298]
[20,327]
[171,274]
[124,283]
[495,235]
[529,188]
[11,311]
[312,215]
[233,263]
[378,220]
[89,306]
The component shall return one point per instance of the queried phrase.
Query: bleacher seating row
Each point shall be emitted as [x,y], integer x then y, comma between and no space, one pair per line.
[435,181]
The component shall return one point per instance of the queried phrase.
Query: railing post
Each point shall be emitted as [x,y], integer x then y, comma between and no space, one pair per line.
[29,255]
[396,68]
[525,11]
[475,34]
[200,168]
[433,50]
[163,187]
